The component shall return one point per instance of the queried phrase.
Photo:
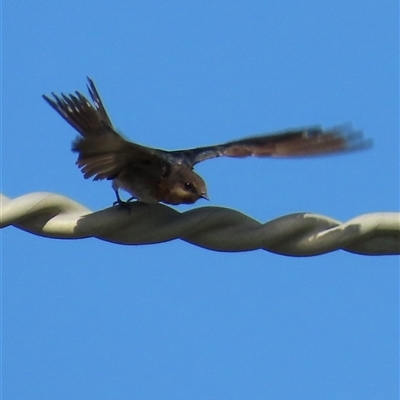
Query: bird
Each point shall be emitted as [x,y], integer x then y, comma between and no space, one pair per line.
[152,175]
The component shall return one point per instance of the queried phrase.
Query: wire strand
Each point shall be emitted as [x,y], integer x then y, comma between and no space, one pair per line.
[214,228]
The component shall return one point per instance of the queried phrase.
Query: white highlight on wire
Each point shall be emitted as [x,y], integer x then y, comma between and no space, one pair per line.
[214,228]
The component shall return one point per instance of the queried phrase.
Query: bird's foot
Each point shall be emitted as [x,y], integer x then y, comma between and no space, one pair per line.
[123,205]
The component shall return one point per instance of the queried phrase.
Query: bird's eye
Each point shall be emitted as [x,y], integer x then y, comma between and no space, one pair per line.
[189,185]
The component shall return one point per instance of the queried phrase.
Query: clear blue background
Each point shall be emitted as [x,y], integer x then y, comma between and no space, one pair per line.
[88,319]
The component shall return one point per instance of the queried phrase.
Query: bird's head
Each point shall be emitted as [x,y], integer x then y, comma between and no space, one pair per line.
[185,186]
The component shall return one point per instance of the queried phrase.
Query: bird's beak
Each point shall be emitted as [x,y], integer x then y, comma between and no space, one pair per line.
[205,197]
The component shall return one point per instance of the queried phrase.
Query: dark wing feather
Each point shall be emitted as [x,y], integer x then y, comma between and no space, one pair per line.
[294,143]
[103,152]
[94,94]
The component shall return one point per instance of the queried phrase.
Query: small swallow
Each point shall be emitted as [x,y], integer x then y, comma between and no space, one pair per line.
[153,175]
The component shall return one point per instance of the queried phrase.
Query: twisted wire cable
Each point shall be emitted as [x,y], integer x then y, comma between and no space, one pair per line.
[215,228]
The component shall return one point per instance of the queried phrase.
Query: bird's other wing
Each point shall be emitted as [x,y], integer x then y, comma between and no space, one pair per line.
[87,118]
[103,152]
[305,142]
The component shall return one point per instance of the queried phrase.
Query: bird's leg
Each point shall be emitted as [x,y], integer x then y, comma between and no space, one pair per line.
[118,201]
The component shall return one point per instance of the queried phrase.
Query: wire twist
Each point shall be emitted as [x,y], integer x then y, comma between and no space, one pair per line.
[215,228]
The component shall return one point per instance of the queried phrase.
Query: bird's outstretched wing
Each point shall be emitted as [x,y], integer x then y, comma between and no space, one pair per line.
[103,152]
[305,142]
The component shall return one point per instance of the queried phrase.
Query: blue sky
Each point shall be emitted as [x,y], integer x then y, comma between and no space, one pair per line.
[88,319]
